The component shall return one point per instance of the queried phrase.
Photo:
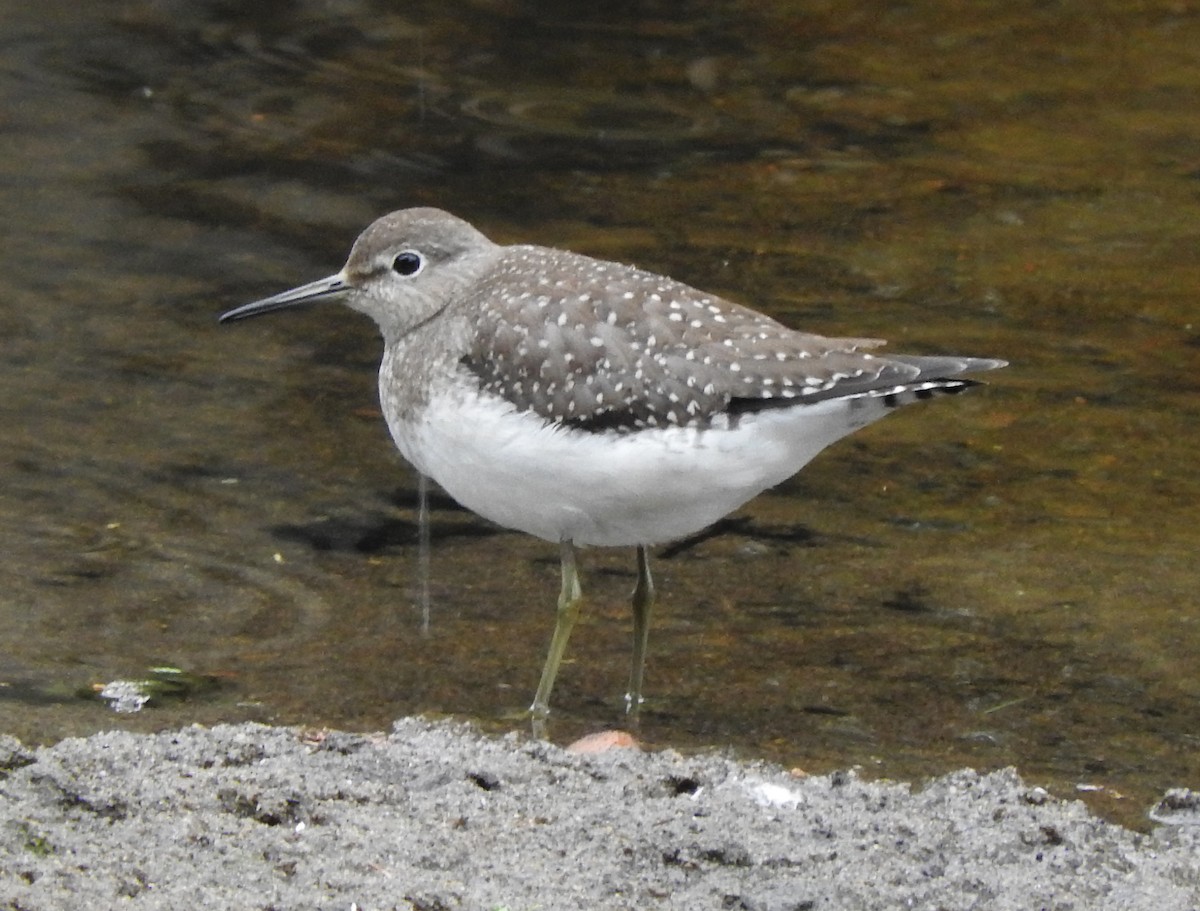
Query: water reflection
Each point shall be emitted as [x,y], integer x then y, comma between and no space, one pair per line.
[1004,578]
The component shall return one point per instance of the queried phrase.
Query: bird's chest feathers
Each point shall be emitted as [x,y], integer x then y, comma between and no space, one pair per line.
[414,365]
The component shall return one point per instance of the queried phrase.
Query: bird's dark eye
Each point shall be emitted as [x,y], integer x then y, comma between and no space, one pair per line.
[407,263]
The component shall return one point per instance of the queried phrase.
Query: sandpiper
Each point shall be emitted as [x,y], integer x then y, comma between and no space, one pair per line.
[592,403]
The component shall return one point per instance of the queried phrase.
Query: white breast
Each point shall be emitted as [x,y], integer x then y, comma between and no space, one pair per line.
[609,488]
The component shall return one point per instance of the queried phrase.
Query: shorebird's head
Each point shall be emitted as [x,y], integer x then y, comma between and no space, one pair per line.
[403,270]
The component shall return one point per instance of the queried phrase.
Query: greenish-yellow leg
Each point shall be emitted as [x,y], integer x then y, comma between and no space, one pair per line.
[569,601]
[643,604]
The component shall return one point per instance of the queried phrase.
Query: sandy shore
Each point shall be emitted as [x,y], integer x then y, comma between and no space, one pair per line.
[435,816]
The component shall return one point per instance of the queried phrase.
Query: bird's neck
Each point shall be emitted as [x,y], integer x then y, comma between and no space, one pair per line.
[417,362]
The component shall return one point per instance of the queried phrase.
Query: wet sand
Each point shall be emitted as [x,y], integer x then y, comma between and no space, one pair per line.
[435,816]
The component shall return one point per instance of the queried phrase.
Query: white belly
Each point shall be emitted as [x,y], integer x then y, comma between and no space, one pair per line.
[608,488]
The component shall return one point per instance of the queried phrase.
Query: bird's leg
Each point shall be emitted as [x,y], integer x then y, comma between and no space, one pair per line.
[643,603]
[569,601]
[423,549]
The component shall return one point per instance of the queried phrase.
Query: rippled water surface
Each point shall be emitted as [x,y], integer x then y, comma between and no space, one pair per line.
[1004,578]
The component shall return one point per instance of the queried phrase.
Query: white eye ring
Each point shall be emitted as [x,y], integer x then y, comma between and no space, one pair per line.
[408,263]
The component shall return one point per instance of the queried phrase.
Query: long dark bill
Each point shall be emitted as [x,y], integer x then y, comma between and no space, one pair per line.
[305,294]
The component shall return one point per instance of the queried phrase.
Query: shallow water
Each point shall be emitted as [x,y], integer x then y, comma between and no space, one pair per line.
[1007,577]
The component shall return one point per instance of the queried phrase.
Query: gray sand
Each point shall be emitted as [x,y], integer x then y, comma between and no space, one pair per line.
[436,816]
